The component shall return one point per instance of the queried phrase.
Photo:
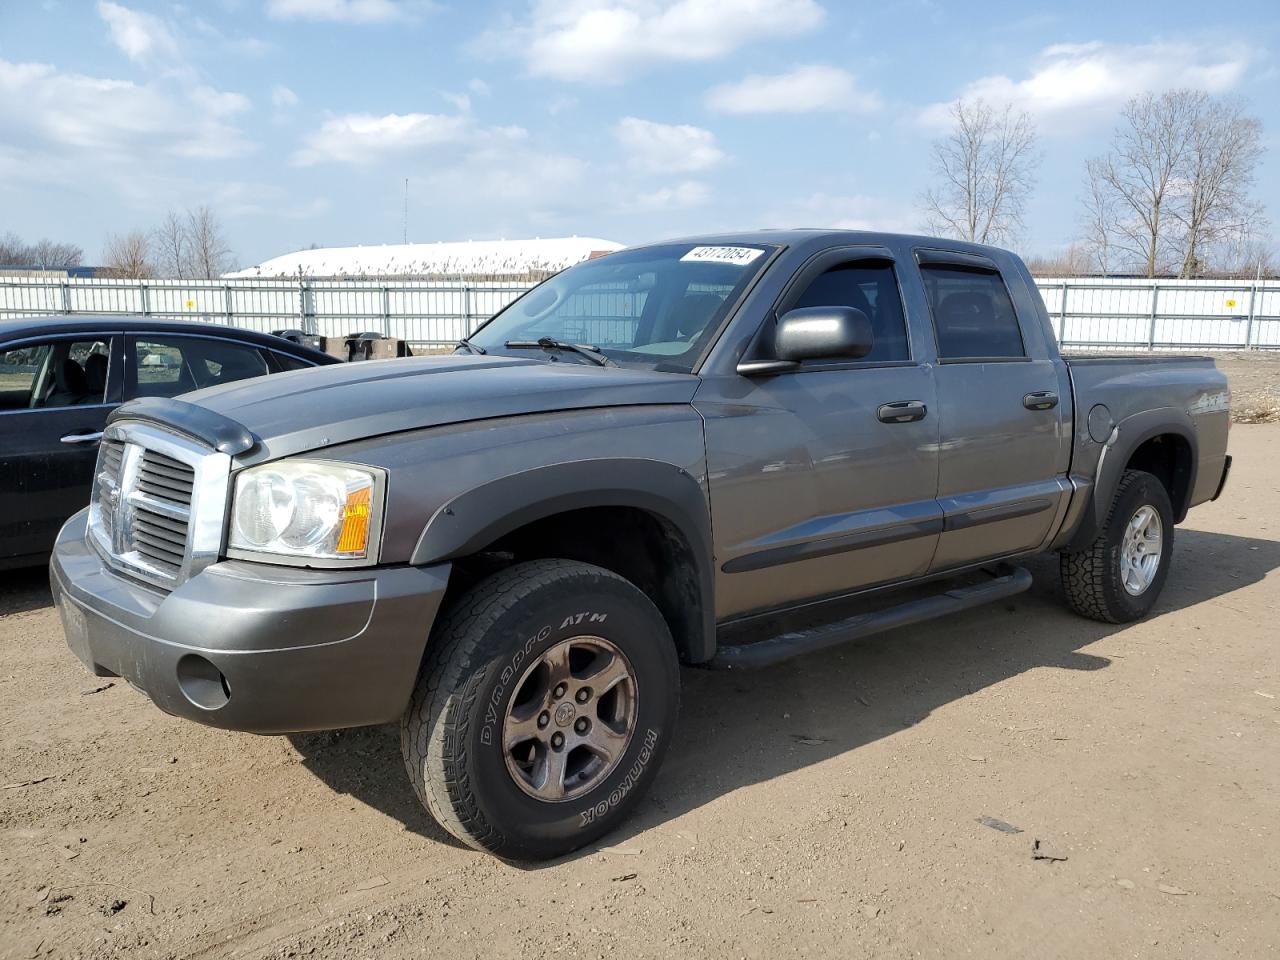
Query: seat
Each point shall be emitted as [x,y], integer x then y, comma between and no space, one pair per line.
[95,375]
[70,385]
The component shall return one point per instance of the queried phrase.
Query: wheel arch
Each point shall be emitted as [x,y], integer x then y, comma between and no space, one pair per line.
[499,513]
[1161,442]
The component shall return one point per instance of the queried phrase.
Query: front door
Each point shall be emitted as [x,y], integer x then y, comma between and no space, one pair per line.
[819,486]
[54,399]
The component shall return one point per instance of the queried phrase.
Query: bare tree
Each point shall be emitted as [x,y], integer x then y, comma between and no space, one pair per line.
[43,255]
[1139,175]
[128,255]
[13,251]
[210,257]
[170,244]
[1074,261]
[50,255]
[191,245]
[1223,150]
[986,166]
[1098,225]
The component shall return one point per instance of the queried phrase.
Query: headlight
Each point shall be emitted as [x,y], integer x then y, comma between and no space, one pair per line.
[308,510]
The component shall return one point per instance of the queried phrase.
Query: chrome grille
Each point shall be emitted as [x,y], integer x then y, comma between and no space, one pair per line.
[148,487]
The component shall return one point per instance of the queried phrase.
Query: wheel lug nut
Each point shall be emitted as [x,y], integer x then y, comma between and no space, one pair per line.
[581,725]
[557,740]
[544,718]
[559,691]
[584,695]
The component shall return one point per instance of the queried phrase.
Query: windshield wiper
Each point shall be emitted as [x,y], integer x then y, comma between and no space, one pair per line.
[551,343]
[472,347]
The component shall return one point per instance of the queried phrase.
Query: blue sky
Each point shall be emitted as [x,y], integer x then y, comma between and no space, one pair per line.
[298,120]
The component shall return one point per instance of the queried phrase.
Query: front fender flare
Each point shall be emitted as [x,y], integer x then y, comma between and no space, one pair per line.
[483,514]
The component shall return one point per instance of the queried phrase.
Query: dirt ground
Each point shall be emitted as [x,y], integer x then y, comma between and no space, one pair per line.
[829,806]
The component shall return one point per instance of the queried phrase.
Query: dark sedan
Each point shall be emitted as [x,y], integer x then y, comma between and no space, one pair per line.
[61,376]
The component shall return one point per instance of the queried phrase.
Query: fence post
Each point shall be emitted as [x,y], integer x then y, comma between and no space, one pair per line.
[466,309]
[1151,330]
[1248,329]
[226,302]
[386,311]
[144,295]
[306,306]
[1062,312]
[66,297]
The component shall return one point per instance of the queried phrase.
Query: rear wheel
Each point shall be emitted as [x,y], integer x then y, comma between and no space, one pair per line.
[1118,577]
[543,711]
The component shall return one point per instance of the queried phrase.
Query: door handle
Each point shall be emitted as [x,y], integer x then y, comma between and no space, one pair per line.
[82,437]
[901,411]
[1042,400]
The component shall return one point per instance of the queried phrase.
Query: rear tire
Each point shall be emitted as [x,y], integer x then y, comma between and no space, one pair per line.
[543,709]
[1118,577]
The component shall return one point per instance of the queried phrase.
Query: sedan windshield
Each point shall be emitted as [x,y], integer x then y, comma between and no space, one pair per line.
[656,307]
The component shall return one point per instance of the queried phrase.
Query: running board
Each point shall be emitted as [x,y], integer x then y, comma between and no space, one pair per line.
[787,645]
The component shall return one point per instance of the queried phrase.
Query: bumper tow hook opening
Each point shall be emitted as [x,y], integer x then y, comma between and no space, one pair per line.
[202,683]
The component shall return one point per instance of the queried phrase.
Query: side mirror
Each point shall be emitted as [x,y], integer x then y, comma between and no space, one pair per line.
[819,333]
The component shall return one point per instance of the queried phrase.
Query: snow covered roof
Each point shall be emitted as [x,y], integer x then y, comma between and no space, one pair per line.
[467,258]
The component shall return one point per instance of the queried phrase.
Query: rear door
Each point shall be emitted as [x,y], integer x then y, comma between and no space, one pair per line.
[167,364]
[819,485]
[1005,427]
[55,394]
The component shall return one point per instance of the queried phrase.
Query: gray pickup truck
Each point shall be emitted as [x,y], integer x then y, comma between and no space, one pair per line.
[509,550]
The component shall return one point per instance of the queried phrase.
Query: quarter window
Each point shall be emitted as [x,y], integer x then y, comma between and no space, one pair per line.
[869,286]
[972,314]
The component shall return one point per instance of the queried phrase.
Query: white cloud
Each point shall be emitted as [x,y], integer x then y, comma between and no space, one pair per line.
[604,41]
[803,90]
[667,148]
[362,138]
[282,97]
[681,196]
[140,36]
[478,87]
[340,11]
[849,212]
[460,101]
[51,112]
[1089,80]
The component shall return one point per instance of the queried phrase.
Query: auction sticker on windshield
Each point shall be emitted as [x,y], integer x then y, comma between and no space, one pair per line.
[735,255]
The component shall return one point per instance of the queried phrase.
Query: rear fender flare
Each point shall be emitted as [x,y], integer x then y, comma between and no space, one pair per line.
[1128,436]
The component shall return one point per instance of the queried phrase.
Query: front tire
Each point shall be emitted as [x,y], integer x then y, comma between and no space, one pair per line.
[1118,577]
[543,709]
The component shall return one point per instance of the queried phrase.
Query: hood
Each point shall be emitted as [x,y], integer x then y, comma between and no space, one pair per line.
[290,413]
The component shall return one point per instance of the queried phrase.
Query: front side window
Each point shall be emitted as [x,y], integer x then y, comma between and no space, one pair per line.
[973,316]
[61,373]
[168,366]
[869,286]
[656,307]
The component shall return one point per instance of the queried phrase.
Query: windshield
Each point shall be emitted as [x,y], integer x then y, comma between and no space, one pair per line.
[653,306]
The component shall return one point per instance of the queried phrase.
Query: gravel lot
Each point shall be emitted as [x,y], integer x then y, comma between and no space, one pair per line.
[828,806]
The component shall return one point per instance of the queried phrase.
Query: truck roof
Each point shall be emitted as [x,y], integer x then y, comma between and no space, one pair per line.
[828,236]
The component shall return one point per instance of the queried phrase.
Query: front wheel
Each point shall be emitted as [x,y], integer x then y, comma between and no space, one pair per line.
[543,709]
[1118,577]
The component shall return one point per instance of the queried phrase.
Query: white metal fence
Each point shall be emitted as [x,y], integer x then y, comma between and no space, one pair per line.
[1087,312]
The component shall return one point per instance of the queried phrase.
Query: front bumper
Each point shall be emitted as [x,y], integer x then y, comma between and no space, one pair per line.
[248,646]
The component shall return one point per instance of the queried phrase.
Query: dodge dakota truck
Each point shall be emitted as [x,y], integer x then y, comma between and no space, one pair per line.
[510,550]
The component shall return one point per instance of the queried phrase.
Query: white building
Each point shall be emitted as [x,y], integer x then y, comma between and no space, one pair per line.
[486,258]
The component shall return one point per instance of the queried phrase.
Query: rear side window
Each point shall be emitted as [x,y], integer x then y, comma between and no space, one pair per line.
[869,286]
[972,313]
[168,366]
